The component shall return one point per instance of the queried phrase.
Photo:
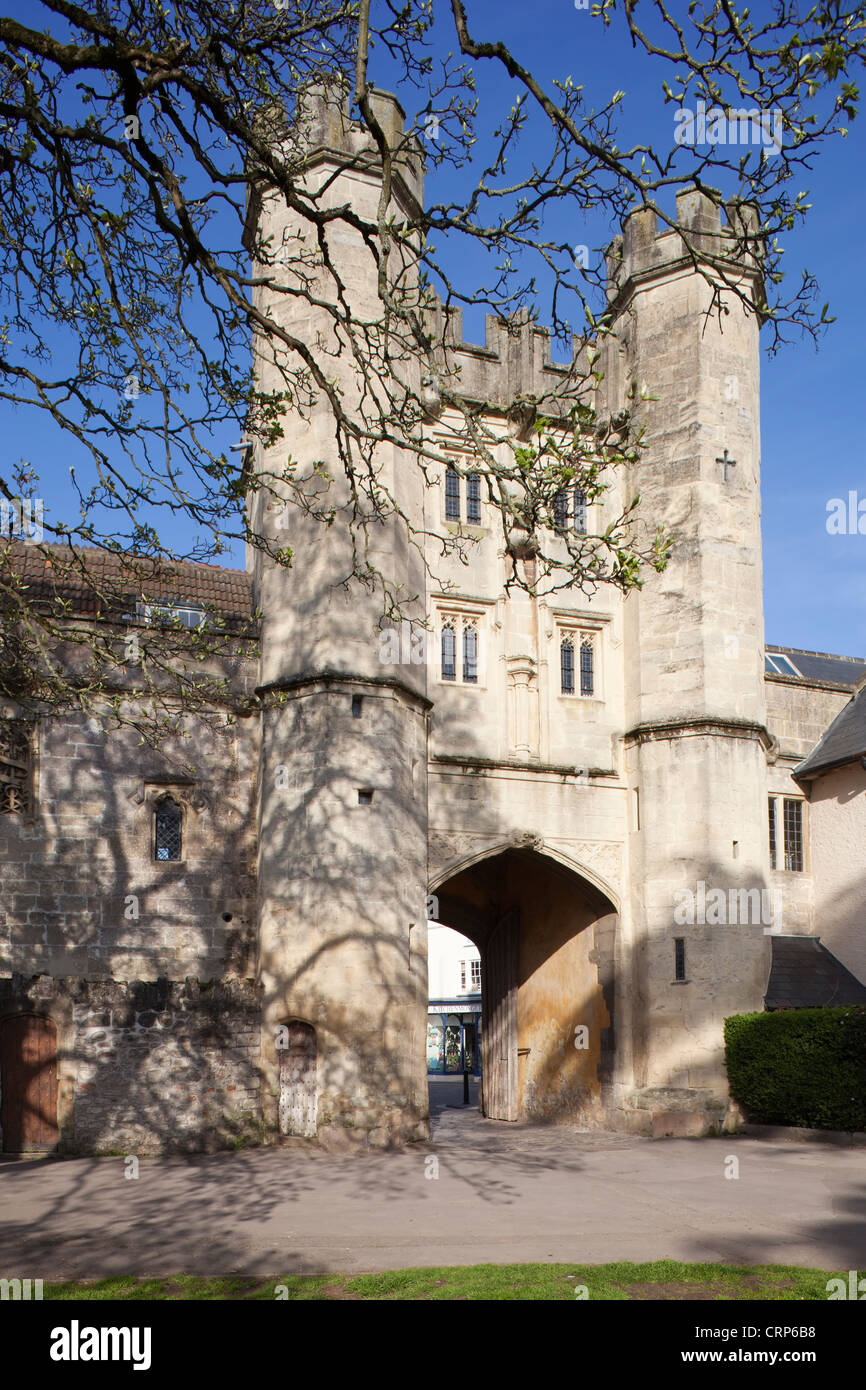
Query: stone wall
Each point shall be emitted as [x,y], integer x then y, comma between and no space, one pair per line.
[149,1067]
[82,892]
[799,713]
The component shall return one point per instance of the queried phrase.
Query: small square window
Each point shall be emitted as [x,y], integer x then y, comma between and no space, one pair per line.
[365,796]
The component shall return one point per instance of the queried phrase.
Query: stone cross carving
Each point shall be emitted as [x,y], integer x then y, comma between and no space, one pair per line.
[726,463]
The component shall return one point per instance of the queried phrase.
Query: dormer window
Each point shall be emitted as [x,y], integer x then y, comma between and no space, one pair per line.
[188,615]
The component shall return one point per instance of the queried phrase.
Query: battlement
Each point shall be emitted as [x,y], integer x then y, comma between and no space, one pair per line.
[512,364]
[324,127]
[643,250]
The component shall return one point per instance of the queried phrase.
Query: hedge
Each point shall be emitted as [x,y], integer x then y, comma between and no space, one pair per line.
[804,1067]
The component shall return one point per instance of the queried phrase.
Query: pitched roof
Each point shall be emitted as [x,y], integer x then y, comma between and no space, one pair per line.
[805,975]
[843,742]
[814,666]
[92,581]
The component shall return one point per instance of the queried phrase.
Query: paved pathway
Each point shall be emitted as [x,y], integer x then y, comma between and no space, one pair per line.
[504,1193]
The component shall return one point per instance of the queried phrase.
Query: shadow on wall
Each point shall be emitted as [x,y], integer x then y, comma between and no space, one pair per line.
[173,1063]
[564,976]
[144,967]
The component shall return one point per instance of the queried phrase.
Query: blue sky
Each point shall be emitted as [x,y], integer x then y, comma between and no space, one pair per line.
[812,401]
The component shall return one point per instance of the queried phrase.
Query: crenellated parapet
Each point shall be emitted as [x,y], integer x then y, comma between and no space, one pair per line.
[513,365]
[643,251]
[325,127]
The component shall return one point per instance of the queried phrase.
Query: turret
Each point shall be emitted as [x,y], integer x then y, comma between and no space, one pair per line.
[695,738]
[343,809]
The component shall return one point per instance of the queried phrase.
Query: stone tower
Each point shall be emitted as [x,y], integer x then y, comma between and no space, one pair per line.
[342,788]
[695,740]
[677,806]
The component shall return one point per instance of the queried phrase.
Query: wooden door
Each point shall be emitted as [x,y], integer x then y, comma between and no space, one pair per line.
[298,1082]
[499,1026]
[28,1083]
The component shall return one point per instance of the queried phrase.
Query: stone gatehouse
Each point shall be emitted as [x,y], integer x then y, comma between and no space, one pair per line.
[190,960]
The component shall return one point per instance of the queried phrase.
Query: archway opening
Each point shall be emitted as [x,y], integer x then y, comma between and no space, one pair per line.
[299,1090]
[453,1019]
[546,938]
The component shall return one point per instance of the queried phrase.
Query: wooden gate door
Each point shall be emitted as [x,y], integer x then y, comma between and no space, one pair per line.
[298,1084]
[499,1027]
[28,1083]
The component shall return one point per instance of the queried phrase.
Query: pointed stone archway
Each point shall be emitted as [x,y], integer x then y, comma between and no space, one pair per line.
[547,938]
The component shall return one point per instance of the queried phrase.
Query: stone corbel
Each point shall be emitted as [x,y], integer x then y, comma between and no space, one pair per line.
[526,839]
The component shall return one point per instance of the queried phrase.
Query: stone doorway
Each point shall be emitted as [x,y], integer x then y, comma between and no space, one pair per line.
[28,1084]
[299,1081]
[546,937]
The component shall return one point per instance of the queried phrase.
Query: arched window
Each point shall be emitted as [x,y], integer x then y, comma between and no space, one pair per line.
[470,655]
[449,654]
[473,499]
[452,495]
[566,666]
[560,509]
[167,830]
[580,511]
[586,668]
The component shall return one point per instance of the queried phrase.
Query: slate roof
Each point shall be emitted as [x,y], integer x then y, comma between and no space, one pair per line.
[843,742]
[805,975]
[48,572]
[822,666]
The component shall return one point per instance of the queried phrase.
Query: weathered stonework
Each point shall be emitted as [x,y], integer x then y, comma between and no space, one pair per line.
[150,1067]
[274,980]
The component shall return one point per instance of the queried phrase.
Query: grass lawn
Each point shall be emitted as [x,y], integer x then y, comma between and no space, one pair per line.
[663,1279]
